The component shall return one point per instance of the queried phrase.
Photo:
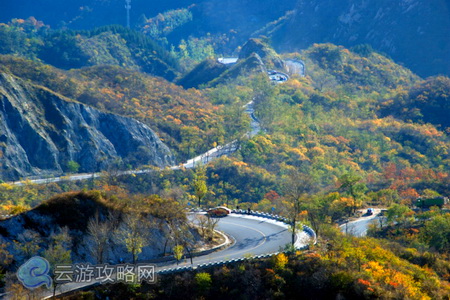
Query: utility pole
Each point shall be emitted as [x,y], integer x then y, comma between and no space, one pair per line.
[128,7]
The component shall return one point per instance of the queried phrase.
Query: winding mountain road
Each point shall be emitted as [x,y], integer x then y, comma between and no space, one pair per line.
[251,236]
[254,236]
[214,153]
[203,158]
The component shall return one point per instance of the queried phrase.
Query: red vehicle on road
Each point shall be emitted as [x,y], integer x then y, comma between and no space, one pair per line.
[220,211]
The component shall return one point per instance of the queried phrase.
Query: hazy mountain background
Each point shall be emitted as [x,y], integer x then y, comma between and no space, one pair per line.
[413,32]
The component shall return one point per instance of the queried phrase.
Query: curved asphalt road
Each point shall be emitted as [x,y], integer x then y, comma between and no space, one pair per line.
[251,236]
[359,226]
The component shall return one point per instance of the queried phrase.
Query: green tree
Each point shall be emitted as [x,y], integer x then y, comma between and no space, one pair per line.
[352,185]
[318,209]
[296,188]
[178,252]
[399,214]
[59,252]
[183,236]
[134,234]
[190,140]
[199,183]
[266,103]
[73,166]
[236,122]
[387,196]
[436,232]
[203,282]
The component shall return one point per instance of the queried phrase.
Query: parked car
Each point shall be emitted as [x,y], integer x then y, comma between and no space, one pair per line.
[220,211]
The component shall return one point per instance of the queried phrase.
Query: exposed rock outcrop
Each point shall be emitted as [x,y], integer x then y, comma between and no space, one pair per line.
[74,211]
[267,54]
[41,131]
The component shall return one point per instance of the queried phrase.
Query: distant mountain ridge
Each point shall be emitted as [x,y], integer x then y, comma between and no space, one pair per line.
[415,33]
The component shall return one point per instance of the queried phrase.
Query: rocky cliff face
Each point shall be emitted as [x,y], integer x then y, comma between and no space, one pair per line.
[40,132]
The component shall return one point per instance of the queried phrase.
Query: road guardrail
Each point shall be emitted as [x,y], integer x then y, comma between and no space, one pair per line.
[306,229]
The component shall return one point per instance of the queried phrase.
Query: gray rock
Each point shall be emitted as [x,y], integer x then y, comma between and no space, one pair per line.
[40,132]
[266,54]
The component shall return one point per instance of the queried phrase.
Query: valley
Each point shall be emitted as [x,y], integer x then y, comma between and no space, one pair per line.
[230,147]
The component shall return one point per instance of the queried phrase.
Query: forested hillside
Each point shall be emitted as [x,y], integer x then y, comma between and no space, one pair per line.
[185,119]
[343,118]
[354,127]
[413,32]
[351,269]
[66,49]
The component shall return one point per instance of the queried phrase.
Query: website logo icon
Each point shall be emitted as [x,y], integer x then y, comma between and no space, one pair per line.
[34,273]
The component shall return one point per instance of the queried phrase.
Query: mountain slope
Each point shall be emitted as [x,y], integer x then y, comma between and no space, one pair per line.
[413,32]
[331,66]
[425,102]
[41,132]
[182,118]
[67,49]
[76,212]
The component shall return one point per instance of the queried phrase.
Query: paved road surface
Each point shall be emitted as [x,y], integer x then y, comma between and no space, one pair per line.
[251,235]
[359,227]
[228,60]
[295,66]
